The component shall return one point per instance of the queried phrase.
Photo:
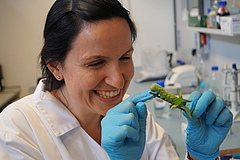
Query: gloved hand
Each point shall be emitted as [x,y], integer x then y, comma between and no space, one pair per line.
[209,126]
[124,128]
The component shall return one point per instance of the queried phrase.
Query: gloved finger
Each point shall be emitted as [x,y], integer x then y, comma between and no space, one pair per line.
[125,131]
[128,105]
[214,110]
[142,112]
[114,132]
[203,103]
[140,97]
[225,118]
[124,108]
[126,119]
[192,122]
[194,96]
[116,135]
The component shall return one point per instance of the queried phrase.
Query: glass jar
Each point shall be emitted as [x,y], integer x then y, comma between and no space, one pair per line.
[222,11]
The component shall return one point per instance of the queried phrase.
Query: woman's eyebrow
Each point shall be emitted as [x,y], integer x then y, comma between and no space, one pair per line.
[103,57]
[131,49]
[93,57]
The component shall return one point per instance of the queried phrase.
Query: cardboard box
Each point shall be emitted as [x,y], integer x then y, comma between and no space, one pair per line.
[230,24]
[197,21]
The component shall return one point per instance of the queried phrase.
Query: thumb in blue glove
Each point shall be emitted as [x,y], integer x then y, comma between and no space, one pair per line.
[209,126]
[124,128]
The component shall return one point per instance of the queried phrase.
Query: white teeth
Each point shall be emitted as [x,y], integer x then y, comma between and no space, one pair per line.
[108,94]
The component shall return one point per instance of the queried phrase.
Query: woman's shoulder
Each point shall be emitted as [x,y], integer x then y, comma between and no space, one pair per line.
[18,111]
[19,105]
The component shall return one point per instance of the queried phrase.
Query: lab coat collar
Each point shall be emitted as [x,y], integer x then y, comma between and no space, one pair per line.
[59,118]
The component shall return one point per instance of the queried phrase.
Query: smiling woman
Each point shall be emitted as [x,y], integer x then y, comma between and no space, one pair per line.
[78,110]
[96,63]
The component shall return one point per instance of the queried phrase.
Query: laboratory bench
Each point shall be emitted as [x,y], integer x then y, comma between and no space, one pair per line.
[173,124]
[8,95]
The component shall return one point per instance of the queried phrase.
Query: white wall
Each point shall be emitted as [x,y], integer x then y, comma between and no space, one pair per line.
[21,26]
[154,21]
[22,22]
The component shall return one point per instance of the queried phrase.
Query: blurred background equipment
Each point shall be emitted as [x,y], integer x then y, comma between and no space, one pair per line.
[185,77]
[231,89]
[156,64]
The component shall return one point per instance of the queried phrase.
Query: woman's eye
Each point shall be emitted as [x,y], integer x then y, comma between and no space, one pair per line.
[95,64]
[127,58]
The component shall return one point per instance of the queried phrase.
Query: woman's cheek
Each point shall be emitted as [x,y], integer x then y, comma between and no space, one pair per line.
[129,71]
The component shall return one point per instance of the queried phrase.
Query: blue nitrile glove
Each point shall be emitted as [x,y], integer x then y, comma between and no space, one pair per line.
[124,128]
[209,126]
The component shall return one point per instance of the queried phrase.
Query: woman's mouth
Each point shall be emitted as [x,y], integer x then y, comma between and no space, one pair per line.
[107,94]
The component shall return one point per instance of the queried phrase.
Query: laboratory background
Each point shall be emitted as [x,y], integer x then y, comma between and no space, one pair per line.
[186,44]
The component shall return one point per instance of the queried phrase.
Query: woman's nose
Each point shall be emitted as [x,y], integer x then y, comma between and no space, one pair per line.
[115,77]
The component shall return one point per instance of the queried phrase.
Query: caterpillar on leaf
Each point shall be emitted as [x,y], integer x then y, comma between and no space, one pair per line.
[177,102]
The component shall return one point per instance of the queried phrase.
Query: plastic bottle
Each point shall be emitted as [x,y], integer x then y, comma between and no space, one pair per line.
[196,60]
[214,83]
[225,88]
[200,61]
[222,11]
[234,88]
[211,22]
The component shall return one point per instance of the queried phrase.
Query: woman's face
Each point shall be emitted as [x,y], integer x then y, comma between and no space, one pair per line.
[98,69]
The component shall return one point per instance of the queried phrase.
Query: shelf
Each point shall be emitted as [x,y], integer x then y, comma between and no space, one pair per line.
[211,31]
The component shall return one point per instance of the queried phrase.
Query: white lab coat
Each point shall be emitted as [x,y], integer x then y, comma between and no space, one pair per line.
[39,126]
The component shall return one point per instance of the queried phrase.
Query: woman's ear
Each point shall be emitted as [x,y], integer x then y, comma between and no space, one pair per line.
[56,69]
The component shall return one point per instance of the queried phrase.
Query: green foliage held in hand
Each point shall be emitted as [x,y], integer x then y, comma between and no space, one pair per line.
[177,102]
